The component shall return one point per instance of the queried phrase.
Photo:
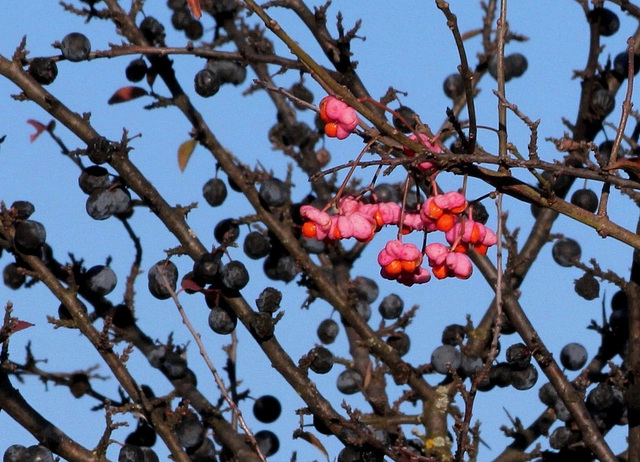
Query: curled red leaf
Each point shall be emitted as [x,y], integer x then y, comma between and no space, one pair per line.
[125,94]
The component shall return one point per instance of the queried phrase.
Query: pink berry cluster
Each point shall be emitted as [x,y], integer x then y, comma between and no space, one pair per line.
[401,261]
[340,119]
[448,213]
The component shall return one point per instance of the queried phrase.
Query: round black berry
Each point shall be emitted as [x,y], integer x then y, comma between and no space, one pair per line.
[43,70]
[162,273]
[37,453]
[194,30]
[214,192]
[29,236]
[180,18]
[130,453]
[22,209]
[152,30]
[100,279]
[190,431]
[99,150]
[586,199]
[206,83]
[322,361]
[222,320]
[607,20]
[453,86]
[227,231]
[234,275]
[274,192]
[267,442]
[602,103]
[391,306]
[256,245]
[206,267]
[75,47]
[228,71]
[443,357]
[92,178]
[400,341]
[524,379]
[518,356]
[409,115]
[13,277]
[385,192]
[136,70]
[573,356]
[303,93]
[267,409]
[453,335]
[349,381]
[328,331]
[366,289]
[547,394]
[566,251]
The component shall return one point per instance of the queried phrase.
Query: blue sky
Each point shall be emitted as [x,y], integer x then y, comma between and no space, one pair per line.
[407,46]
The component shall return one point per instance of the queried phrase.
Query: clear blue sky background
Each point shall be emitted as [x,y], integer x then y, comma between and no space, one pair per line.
[407,46]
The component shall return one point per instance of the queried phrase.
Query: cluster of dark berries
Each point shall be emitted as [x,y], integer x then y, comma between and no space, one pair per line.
[515,65]
[207,82]
[107,196]
[19,453]
[181,19]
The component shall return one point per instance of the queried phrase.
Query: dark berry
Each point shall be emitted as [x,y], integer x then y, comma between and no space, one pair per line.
[206,83]
[524,379]
[37,453]
[206,452]
[562,413]
[222,319]
[12,276]
[228,71]
[100,280]
[313,245]
[479,213]
[65,315]
[136,70]
[267,409]
[180,18]
[366,289]
[602,102]
[349,381]
[162,273]
[234,275]
[206,267]
[92,178]
[400,341]
[518,356]
[573,356]
[619,301]
[99,150]
[267,442]
[227,231]
[500,375]
[385,192]
[587,287]
[445,356]
[453,335]
[621,66]
[29,236]
[547,394]
[194,30]
[515,64]
[22,209]
[391,306]
[43,70]
[256,245]
[100,204]
[152,30]
[470,365]
[322,361]
[130,453]
[149,454]
[123,317]
[303,93]
[214,192]
[174,365]
[176,4]
[274,192]
[79,385]
[15,453]
[566,252]
[559,437]
[190,431]
[453,86]
[328,331]
[607,20]
[409,115]
[269,300]
[75,47]
[586,199]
